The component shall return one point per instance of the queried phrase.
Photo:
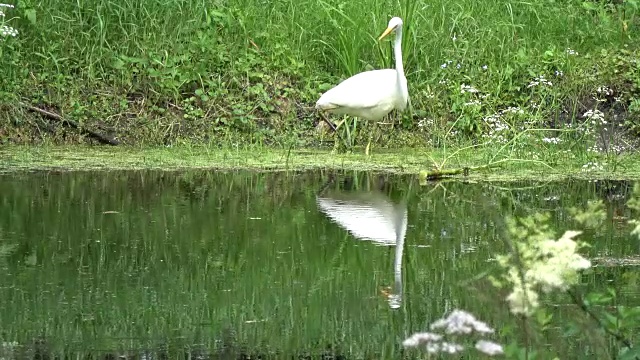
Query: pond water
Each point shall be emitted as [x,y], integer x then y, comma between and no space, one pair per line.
[283,264]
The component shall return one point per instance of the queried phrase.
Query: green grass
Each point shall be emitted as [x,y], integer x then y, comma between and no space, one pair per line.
[164,72]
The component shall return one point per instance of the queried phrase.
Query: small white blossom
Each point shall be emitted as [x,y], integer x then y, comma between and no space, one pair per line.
[596,116]
[484,67]
[559,73]
[571,52]
[559,270]
[473,103]
[7,6]
[489,347]
[450,348]
[523,299]
[455,326]
[553,140]
[540,80]
[425,122]
[545,264]
[461,322]
[467,89]
[604,90]
[8,31]
[591,166]
[513,110]
[420,339]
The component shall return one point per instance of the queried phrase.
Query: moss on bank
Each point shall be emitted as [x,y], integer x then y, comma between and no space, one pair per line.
[408,161]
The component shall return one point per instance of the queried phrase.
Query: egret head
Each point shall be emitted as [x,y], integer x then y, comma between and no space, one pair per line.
[394,24]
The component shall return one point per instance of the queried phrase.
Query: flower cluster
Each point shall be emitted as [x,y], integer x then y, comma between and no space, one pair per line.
[591,166]
[464,88]
[595,116]
[542,263]
[553,140]
[540,80]
[496,128]
[6,30]
[459,322]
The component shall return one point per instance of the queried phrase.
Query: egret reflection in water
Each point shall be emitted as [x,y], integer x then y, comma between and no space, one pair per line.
[370,215]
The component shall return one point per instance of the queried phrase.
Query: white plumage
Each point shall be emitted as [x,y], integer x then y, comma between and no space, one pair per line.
[371,95]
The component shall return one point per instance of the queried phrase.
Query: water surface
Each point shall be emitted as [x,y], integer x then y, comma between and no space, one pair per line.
[282,264]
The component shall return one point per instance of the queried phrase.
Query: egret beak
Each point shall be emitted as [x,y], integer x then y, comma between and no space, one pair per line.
[386,32]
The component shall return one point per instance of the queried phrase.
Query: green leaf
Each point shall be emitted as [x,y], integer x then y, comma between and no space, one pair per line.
[30,14]
[612,321]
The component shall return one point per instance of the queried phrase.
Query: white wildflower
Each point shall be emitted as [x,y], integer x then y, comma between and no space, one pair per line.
[489,347]
[461,322]
[559,73]
[467,89]
[454,326]
[523,299]
[560,269]
[420,339]
[484,67]
[450,348]
[591,166]
[604,90]
[544,264]
[512,110]
[540,80]
[473,103]
[8,31]
[571,51]
[445,64]
[595,116]
[425,123]
[553,140]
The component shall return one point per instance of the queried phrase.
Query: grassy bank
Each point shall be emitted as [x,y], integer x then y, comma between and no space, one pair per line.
[156,72]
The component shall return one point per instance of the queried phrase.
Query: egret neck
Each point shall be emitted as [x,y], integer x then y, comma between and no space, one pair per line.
[402,80]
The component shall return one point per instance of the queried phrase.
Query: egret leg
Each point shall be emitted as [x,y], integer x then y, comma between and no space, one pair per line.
[368,148]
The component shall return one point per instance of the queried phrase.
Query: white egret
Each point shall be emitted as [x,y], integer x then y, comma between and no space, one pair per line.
[371,95]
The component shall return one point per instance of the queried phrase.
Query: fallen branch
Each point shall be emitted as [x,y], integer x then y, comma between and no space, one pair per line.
[439,174]
[105,139]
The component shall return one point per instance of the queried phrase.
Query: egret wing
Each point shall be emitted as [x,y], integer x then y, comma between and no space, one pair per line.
[364,90]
